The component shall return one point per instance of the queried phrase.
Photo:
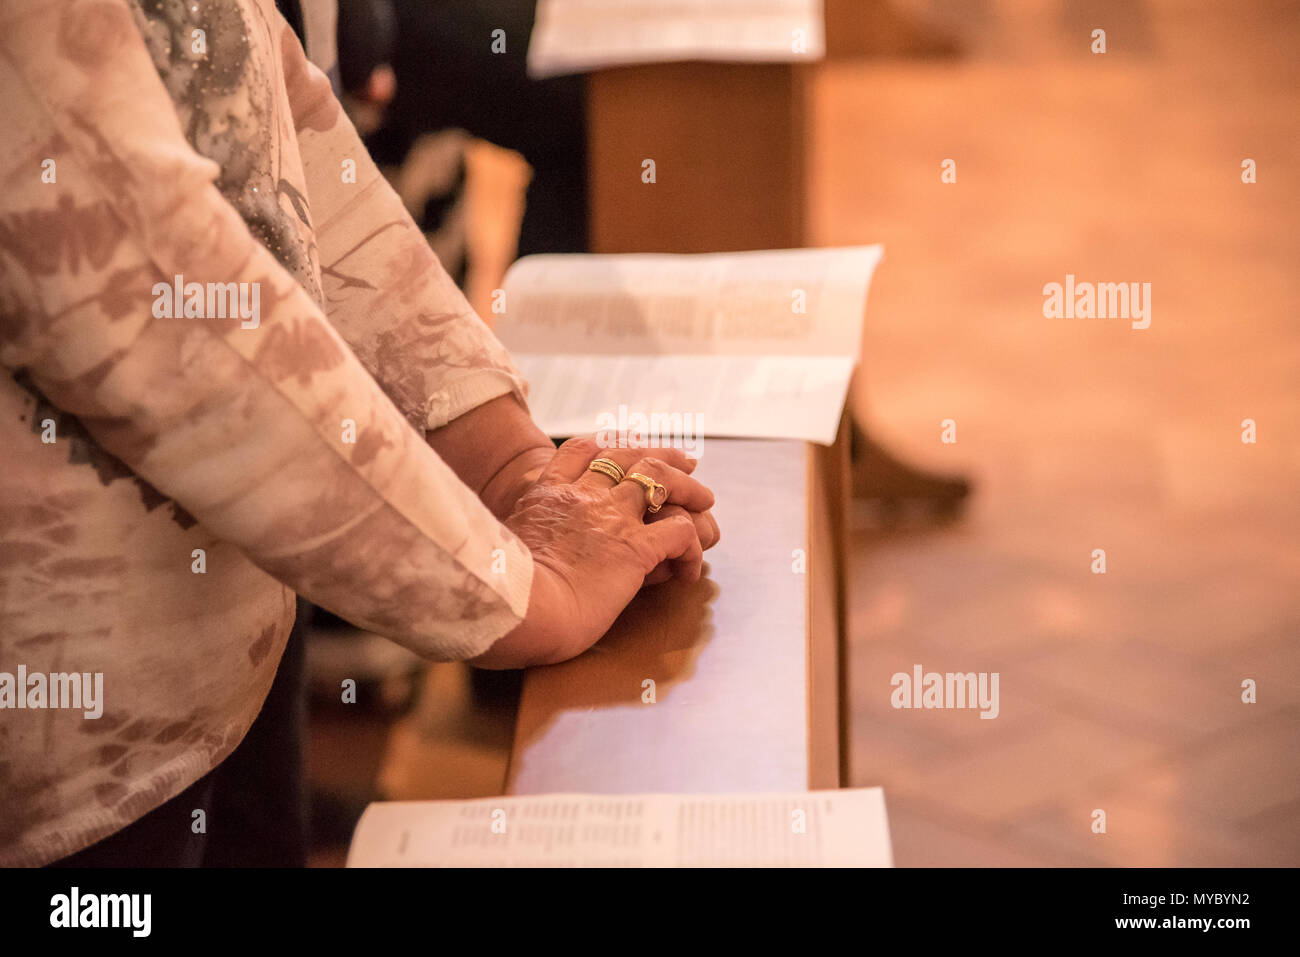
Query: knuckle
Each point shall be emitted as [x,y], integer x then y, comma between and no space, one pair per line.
[581,443]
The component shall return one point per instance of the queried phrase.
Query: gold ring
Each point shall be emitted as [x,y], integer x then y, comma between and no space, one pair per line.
[651,489]
[607,467]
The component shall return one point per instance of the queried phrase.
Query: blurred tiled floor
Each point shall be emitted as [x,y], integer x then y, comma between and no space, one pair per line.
[1123,691]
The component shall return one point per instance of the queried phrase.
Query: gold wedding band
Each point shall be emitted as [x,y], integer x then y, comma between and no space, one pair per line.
[607,467]
[651,489]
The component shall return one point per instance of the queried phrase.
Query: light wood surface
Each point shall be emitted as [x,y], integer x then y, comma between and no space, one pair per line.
[746,665]
[730,145]
[826,511]
[743,661]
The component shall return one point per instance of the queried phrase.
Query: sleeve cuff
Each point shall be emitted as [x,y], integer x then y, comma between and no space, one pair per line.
[469,392]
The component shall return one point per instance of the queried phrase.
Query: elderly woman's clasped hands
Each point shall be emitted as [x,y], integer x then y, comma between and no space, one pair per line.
[600,524]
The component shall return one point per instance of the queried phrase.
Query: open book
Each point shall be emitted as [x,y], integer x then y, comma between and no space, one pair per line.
[742,345]
[842,828]
[571,36]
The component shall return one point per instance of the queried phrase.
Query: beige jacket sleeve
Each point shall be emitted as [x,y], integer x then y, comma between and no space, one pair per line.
[275,437]
[384,288]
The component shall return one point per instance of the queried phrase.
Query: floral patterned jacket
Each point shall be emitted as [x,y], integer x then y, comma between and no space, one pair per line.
[177,463]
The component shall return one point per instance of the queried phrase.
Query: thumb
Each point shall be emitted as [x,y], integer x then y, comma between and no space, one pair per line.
[673,538]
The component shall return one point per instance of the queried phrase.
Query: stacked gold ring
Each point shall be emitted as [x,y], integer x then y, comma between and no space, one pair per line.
[607,467]
[652,488]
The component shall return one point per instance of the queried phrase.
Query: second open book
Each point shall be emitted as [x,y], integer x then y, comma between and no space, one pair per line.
[740,345]
[841,828]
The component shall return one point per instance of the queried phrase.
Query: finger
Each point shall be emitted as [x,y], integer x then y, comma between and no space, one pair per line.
[626,455]
[668,538]
[673,456]
[620,457]
[626,458]
[689,565]
[661,573]
[710,534]
[706,527]
[673,539]
[682,489]
[570,461]
[598,477]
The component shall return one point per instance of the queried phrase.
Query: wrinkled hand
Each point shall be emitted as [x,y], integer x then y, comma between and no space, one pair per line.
[594,546]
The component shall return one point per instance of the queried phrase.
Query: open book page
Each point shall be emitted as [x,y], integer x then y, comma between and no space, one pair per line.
[688,397]
[752,345]
[841,828]
[573,36]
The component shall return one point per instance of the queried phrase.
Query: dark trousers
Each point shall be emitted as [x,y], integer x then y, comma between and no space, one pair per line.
[448,76]
[255,800]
